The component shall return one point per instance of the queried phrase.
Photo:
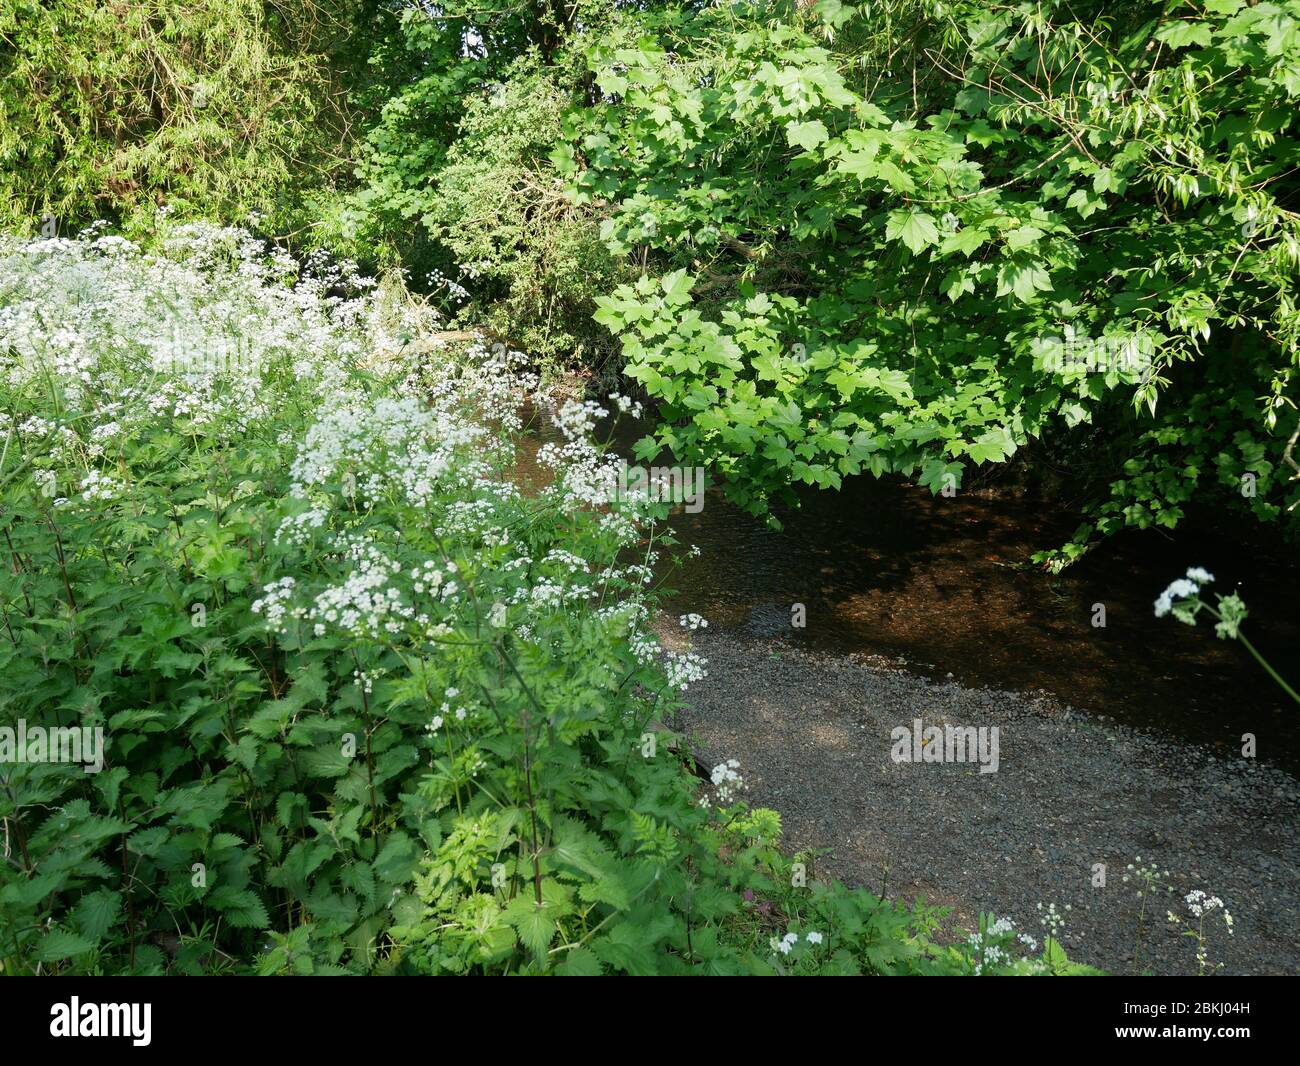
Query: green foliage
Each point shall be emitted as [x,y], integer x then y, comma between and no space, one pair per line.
[218,108]
[366,707]
[455,181]
[914,239]
[532,260]
[427,73]
[1066,222]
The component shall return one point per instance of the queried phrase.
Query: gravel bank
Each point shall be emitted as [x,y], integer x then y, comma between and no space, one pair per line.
[813,735]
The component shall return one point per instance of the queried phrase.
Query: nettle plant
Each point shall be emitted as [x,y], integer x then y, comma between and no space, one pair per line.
[1065,226]
[368,707]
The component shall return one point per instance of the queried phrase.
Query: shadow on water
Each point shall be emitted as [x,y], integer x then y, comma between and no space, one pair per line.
[884,568]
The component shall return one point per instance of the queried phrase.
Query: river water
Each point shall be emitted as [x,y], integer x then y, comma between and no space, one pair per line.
[885,569]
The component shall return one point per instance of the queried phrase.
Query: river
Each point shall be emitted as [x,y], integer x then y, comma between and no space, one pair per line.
[942,586]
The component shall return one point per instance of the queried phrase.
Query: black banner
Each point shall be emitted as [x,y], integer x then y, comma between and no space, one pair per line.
[147,1015]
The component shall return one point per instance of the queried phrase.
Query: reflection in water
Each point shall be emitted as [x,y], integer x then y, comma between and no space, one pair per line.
[885,568]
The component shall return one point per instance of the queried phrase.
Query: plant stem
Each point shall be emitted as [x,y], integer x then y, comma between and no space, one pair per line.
[1271,672]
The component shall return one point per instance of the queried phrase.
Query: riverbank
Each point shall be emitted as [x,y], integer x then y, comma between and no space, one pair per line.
[812,732]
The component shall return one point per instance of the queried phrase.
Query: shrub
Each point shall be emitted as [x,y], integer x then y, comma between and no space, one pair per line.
[533,261]
[367,707]
[455,181]
[1079,219]
[221,107]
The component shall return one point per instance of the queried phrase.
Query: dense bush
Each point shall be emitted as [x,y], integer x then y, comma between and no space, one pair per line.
[455,180]
[367,707]
[533,261]
[1064,217]
[216,108]
[911,238]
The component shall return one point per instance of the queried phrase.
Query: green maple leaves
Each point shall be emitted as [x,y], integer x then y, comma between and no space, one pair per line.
[1023,277]
[916,229]
[807,135]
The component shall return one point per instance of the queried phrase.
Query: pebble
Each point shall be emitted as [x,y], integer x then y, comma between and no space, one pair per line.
[1073,789]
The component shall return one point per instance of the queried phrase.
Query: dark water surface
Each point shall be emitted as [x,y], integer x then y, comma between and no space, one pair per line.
[884,568]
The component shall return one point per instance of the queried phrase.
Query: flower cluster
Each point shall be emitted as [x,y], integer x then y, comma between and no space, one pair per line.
[1053,920]
[727,780]
[98,486]
[1184,588]
[1148,877]
[684,668]
[1183,599]
[993,945]
[275,603]
[196,335]
[786,944]
[1201,905]
[625,404]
